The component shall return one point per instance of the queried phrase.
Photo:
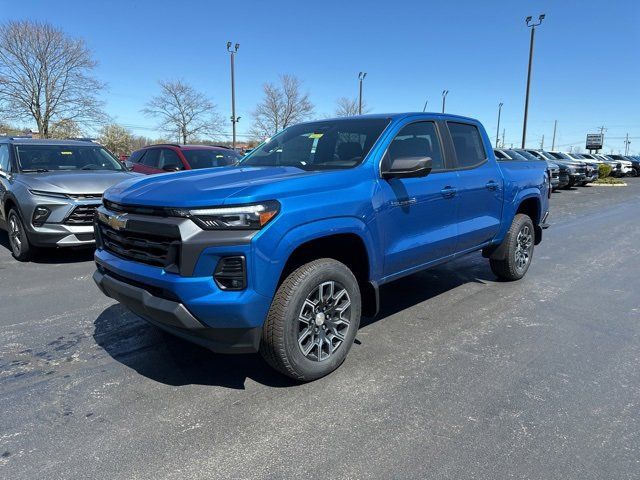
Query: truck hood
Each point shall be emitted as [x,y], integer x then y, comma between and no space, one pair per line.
[195,188]
[76,182]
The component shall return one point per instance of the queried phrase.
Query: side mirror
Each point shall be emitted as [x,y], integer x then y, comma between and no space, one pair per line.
[171,167]
[408,167]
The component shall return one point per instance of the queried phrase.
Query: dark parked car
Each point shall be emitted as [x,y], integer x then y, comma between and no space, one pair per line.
[554,170]
[50,189]
[577,169]
[172,158]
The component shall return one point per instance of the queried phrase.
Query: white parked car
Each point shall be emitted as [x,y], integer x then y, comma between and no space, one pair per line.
[626,165]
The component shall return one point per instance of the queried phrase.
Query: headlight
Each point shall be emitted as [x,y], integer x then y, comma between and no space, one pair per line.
[241,217]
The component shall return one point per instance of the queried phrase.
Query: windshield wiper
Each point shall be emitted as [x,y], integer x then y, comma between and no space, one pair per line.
[34,170]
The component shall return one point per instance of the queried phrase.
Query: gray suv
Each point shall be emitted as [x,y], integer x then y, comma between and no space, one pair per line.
[49,190]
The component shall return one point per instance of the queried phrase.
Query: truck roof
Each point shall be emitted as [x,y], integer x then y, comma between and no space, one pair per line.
[397,116]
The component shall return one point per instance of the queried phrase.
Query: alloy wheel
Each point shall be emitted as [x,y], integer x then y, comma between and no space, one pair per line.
[524,247]
[15,235]
[323,321]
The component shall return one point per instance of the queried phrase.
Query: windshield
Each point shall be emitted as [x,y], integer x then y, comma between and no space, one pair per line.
[325,145]
[39,158]
[525,154]
[205,158]
[519,156]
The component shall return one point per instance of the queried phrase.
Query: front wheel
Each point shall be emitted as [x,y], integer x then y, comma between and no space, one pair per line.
[518,250]
[313,320]
[18,239]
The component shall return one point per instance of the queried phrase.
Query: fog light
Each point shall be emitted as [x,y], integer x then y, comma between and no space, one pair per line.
[40,215]
[231,273]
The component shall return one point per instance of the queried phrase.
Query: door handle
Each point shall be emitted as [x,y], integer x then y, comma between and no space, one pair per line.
[492,185]
[449,192]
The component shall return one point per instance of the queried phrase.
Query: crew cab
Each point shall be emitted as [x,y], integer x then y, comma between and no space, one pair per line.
[284,252]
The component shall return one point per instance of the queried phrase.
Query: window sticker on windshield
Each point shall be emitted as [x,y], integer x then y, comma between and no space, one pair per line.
[219,156]
[316,135]
[66,153]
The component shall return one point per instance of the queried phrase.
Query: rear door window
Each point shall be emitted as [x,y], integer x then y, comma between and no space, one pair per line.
[468,145]
[4,158]
[152,158]
[136,156]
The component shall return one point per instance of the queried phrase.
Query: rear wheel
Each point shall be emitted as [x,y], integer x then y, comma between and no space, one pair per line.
[518,251]
[313,320]
[18,240]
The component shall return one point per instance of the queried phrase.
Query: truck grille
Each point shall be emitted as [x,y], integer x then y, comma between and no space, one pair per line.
[82,215]
[152,249]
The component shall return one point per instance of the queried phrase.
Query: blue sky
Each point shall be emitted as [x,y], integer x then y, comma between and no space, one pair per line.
[586,65]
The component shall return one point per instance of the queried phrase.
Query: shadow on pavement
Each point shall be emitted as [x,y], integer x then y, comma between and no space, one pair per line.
[167,359]
[170,360]
[55,255]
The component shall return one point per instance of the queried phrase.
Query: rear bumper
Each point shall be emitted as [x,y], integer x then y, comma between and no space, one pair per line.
[175,318]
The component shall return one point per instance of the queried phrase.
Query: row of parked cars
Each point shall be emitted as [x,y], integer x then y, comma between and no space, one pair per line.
[570,169]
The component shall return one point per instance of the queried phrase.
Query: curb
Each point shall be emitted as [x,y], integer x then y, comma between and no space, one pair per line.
[606,185]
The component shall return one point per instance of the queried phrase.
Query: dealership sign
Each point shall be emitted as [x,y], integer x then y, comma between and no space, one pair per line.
[594,141]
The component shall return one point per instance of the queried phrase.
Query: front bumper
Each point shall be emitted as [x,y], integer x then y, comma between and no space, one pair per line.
[61,235]
[175,318]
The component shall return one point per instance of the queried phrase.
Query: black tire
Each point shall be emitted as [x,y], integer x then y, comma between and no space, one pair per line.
[21,248]
[508,266]
[281,344]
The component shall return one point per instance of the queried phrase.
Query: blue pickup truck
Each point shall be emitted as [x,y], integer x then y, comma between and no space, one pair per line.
[285,251]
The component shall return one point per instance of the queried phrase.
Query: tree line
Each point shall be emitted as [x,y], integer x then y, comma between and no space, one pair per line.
[48,78]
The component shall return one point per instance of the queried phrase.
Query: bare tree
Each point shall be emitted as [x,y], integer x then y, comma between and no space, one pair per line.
[46,76]
[65,128]
[116,138]
[283,105]
[179,108]
[347,107]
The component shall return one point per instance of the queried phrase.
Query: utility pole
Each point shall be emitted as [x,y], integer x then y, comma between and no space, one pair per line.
[444,98]
[503,138]
[553,143]
[498,129]
[542,143]
[361,76]
[234,119]
[602,130]
[424,109]
[526,100]
[626,145]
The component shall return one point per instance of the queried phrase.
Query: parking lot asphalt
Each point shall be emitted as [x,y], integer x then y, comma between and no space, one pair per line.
[460,376]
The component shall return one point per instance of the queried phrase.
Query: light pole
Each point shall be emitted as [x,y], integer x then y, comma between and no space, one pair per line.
[553,142]
[361,76]
[533,26]
[444,98]
[234,119]
[498,129]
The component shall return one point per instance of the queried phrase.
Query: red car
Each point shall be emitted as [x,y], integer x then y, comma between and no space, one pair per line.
[172,158]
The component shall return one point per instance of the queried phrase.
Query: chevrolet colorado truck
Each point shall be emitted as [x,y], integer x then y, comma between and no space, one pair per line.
[284,252]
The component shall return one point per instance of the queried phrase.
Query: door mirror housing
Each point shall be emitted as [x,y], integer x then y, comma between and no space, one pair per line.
[408,167]
[172,167]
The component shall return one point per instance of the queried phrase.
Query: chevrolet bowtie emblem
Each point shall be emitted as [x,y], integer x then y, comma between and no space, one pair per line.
[117,222]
